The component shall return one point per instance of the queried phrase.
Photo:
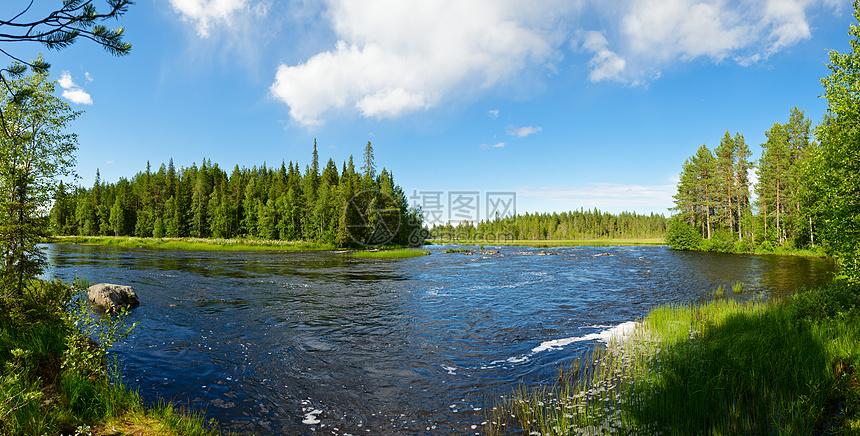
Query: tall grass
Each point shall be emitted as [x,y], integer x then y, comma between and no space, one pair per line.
[724,367]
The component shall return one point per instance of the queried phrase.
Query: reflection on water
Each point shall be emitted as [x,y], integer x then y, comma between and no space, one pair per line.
[297,342]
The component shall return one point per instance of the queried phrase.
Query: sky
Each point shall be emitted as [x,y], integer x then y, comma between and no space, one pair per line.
[560,105]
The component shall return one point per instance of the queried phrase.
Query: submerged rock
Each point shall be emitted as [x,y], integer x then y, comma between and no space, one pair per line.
[547,253]
[113,298]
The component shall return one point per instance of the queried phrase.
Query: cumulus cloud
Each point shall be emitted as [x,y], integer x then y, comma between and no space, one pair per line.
[606,64]
[522,132]
[204,14]
[494,113]
[400,57]
[388,58]
[655,33]
[73,92]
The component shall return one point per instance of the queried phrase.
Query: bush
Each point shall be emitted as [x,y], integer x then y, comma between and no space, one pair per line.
[680,235]
[720,241]
[744,246]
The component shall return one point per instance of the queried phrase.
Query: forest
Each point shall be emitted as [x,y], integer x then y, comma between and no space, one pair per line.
[573,225]
[344,207]
[719,208]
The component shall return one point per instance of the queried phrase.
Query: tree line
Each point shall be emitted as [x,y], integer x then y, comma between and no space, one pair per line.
[714,203]
[794,199]
[344,207]
[572,225]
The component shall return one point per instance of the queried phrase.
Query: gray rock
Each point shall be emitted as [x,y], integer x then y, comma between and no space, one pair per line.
[113,298]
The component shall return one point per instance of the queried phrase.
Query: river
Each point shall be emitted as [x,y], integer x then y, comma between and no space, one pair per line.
[311,342]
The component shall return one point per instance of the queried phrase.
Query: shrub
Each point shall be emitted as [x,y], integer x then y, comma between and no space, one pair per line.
[680,235]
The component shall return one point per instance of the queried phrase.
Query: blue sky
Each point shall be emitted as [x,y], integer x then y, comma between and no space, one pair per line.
[567,103]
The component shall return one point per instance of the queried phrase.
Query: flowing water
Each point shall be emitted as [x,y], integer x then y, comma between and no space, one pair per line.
[316,342]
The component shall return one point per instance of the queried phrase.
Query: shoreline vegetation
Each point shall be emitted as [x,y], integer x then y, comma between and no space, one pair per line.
[201,244]
[790,366]
[56,379]
[242,244]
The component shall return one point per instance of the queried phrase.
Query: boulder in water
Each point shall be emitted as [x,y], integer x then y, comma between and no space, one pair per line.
[113,298]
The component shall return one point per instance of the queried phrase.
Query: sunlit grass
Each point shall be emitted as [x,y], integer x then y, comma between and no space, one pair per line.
[725,367]
[403,253]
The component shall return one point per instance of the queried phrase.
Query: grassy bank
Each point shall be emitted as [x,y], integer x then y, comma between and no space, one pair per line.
[787,367]
[193,243]
[401,253]
[553,243]
[55,380]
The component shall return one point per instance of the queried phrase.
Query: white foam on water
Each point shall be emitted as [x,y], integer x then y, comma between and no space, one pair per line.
[618,333]
[311,417]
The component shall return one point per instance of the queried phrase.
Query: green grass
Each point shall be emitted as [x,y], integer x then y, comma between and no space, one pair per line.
[201,244]
[726,367]
[559,242]
[402,253]
[52,381]
[457,250]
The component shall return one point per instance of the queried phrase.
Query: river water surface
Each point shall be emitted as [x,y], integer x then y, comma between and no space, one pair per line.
[316,342]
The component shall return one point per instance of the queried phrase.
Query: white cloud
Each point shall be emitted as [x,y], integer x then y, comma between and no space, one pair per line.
[496,145]
[73,92]
[386,59]
[494,113]
[392,58]
[205,14]
[522,132]
[606,64]
[656,33]
[605,195]
[65,80]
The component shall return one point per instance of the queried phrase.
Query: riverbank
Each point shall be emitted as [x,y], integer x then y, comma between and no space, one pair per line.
[55,380]
[543,243]
[725,367]
[201,244]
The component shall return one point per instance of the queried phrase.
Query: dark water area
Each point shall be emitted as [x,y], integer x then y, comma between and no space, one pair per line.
[319,343]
